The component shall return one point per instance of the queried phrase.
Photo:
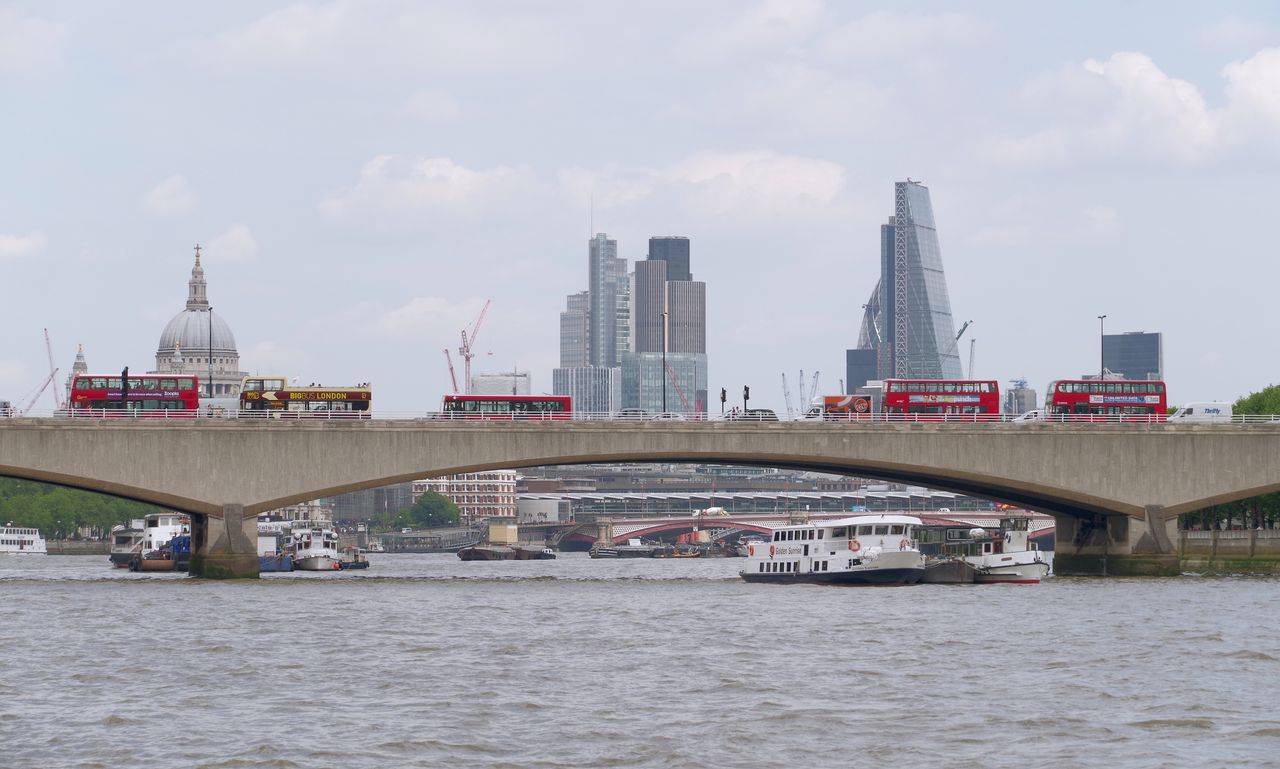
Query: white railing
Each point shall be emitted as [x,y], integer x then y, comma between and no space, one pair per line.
[1272,421]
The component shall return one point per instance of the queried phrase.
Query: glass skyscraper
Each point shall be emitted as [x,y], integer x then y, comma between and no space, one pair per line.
[1134,354]
[907,320]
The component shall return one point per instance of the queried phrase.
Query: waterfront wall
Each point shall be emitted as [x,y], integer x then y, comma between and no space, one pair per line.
[1240,551]
[72,547]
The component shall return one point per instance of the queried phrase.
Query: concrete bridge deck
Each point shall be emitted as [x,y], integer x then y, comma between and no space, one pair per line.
[226,471]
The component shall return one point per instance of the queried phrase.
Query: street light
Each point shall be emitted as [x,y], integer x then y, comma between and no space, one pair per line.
[211,353]
[1102,348]
[664,361]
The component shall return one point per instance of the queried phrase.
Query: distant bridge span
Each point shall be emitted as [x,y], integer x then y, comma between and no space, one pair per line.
[1113,476]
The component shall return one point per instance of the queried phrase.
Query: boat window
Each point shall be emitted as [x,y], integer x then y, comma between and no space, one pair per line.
[821,532]
[882,529]
[761,567]
[895,529]
[775,536]
[864,531]
[839,533]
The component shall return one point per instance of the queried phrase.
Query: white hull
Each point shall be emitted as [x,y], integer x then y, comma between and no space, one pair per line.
[316,563]
[1025,568]
[21,541]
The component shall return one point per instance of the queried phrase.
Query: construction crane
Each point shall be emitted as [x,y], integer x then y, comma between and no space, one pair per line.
[973,344]
[27,405]
[813,391]
[955,343]
[786,397]
[465,349]
[453,377]
[671,374]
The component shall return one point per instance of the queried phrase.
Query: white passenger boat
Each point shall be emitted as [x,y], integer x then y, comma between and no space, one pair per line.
[16,540]
[314,546]
[1009,556]
[861,550]
[158,529]
[126,542]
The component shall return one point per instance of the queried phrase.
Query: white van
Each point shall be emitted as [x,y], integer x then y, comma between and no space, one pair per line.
[1202,412]
[1035,415]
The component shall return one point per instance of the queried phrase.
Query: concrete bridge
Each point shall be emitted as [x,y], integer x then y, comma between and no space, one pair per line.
[1115,490]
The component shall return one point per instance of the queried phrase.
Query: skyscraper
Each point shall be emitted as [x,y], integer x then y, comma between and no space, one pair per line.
[608,278]
[908,318]
[648,303]
[575,331]
[674,250]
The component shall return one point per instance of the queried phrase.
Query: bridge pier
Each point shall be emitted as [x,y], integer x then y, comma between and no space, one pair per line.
[225,547]
[1116,545]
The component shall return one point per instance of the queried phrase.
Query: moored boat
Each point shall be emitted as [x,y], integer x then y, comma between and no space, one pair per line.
[19,540]
[126,541]
[634,548]
[1008,556]
[353,558]
[314,546]
[860,550]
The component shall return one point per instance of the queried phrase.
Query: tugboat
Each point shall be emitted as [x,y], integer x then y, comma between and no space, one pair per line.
[353,558]
[861,550]
[126,541]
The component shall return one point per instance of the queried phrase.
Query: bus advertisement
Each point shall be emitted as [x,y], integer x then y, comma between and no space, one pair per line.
[154,396]
[941,399]
[1106,400]
[274,397]
[524,407]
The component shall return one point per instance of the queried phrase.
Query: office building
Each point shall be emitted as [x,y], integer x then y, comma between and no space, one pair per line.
[575,331]
[1019,399]
[674,250]
[679,387]
[859,368]
[506,383]
[1134,354]
[686,316]
[607,275]
[479,496]
[648,303]
[591,389]
[908,320]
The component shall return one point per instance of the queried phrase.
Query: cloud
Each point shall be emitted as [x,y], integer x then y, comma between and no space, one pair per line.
[433,107]
[1234,32]
[28,44]
[765,25]
[756,181]
[171,197]
[893,35]
[1127,106]
[391,36]
[427,317]
[19,246]
[234,245]
[399,189]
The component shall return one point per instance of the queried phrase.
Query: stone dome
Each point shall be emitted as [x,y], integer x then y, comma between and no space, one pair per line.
[191,329]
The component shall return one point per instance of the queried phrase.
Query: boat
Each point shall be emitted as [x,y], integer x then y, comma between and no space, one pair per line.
[19,540]
[126,541]
[154,560]
[353,558]
[505,553]
[159,528]
[314,546]
[859,550]
[1008,556]
[634,548]
[271,555]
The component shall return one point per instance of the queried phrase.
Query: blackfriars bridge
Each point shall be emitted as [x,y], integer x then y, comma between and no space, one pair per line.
[1114,489]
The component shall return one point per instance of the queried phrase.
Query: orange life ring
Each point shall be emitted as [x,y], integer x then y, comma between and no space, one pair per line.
[770,551]
[854,545]
[751,549]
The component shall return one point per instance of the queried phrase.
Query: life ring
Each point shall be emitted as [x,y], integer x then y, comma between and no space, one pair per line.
[770,551]
[904,544]
[855,545]
[751,549]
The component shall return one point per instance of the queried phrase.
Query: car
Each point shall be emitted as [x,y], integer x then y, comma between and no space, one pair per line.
[670,415]
[630,414]
[1035,415]
[753,415]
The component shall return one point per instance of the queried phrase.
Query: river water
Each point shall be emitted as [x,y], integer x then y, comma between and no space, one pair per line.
[424,660]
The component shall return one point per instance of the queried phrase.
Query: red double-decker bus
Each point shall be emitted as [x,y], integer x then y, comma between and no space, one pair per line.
[152,396]
[535,407]
[941,399]
[1107,400]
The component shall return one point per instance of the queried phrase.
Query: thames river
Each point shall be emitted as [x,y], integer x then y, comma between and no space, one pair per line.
[427,661]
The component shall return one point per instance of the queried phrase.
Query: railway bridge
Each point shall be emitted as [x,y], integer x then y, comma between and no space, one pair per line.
[1114,489]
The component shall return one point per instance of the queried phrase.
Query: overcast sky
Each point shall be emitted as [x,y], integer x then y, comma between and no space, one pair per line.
[363,175]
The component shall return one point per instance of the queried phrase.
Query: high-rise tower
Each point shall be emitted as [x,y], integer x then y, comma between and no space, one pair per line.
[907,320]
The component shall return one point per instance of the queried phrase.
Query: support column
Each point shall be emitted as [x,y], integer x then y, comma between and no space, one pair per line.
[225,547]
[1096,545]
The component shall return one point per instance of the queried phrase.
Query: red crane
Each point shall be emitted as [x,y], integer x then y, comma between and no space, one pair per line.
[452,376]
[465,350]
[683,400]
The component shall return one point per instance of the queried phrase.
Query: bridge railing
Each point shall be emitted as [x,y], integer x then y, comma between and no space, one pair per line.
[579,416]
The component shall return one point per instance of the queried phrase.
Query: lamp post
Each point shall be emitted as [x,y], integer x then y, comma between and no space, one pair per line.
[210,352]
[664,361]
[1102,348]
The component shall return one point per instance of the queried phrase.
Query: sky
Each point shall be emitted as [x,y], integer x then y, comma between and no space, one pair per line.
[362,176]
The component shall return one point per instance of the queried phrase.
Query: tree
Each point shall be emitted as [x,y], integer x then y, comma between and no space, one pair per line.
[1249,513]
[1267,401]
[431,510]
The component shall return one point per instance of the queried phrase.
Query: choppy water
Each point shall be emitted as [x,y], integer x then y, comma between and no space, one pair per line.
[424,660]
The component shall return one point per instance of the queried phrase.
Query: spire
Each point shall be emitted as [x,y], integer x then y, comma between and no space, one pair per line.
[197,297]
